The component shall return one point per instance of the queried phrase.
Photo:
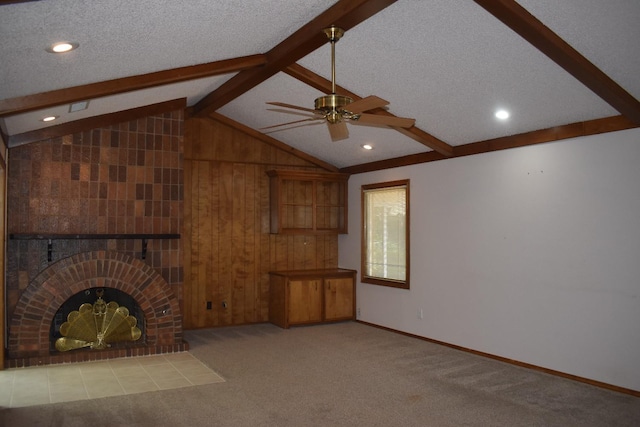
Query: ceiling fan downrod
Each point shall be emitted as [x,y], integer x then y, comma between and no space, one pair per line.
[332,104]
[333,34]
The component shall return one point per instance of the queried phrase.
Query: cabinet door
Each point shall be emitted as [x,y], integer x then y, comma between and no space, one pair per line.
[305,301]
[338,298]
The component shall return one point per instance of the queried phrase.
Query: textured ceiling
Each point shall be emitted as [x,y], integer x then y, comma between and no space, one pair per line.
[120,38]
[606,32]
[447,64]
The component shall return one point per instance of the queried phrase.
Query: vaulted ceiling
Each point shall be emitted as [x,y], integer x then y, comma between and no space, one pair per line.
[562,68]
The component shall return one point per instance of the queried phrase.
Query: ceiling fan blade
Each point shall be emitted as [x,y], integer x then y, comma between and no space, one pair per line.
[294,126]
[293,122]
[365,104]
[338,131]
[297,113]
[295,107]
[376,119]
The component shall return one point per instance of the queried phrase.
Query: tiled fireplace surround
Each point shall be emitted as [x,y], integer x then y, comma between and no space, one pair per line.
[92,191]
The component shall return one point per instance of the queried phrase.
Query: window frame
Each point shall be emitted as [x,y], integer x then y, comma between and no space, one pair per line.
[403,284]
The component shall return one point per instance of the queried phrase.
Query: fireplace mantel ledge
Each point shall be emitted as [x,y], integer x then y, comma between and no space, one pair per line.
[75,236]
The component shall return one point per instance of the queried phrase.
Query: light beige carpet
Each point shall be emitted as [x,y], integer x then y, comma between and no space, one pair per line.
[345,374]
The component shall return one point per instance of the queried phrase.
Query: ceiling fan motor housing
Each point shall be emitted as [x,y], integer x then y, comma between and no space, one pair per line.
[332,106]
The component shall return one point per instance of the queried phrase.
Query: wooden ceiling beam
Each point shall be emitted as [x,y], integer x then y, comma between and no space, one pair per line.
[3,2]
[345,14]
[316,81]
[101,121]
[320,83]
[557,133]
[535,32]
[27,103]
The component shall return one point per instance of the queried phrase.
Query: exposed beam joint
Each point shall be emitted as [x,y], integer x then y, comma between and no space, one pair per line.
[535,32]
[345,13]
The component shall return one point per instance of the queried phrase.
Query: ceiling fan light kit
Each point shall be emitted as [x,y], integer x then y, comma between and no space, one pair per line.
[337,109]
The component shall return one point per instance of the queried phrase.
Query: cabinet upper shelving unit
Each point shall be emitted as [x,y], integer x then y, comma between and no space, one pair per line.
[308,202]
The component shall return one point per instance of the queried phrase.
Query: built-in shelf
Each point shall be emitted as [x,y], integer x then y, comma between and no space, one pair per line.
[303,202]
[62,236]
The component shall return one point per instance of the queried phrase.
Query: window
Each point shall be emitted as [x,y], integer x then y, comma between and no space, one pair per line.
[385,234]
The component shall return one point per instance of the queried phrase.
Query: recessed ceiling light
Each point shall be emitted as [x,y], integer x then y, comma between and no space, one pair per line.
[502,114]
[62,47]
[49,118]
[367,147]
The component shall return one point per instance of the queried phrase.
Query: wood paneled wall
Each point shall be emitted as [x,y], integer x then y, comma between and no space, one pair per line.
[228,249]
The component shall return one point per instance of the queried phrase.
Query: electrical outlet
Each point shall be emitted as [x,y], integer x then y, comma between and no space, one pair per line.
[419,314]
[358,313]
[209,306]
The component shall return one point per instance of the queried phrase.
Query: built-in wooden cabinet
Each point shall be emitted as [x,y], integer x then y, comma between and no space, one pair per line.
[304,301]
[300,297]
[308,202]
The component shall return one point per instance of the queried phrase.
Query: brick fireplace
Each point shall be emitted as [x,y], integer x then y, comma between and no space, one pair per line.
[101,208]
[30,340]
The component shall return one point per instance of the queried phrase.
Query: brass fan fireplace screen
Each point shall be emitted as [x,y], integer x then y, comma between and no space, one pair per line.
[97,325]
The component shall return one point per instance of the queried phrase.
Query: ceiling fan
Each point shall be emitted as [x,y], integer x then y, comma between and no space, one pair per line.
[336,110]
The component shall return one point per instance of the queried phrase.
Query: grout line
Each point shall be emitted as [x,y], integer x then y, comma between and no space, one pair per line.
[13,388]
[124,391]
[181,373]
[84,383]
[177,370]
[49,383]
[150,377]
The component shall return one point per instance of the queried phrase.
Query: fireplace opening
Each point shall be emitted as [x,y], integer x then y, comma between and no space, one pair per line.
[91,296]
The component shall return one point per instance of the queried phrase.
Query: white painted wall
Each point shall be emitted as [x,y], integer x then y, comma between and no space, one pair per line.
[532,254]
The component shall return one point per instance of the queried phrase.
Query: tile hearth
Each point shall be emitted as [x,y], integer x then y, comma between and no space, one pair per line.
[41,385]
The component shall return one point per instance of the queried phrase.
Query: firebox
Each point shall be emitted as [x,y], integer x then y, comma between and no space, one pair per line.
[97,318]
